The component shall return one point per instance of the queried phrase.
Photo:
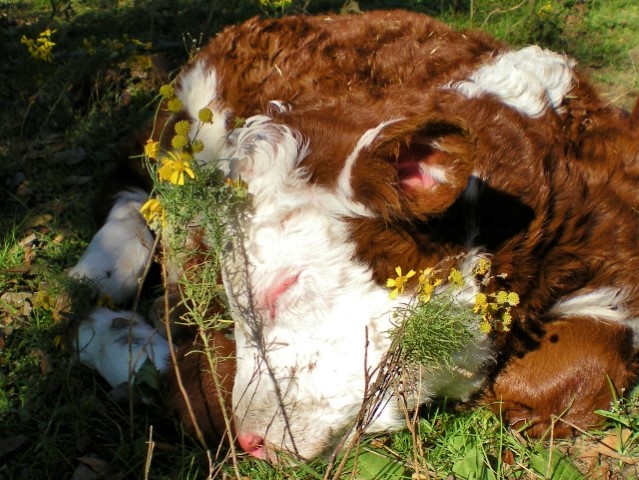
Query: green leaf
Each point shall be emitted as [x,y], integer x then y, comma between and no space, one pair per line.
[472,462]
[553,465]
[147,375]
[374,465]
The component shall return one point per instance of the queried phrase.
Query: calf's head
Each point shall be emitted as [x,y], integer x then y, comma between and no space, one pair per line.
[312,321]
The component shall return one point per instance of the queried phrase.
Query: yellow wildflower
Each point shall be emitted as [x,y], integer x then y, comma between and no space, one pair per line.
[197,146]
[174,168]
[179,142]
[174,105]
[482,267]
[426,292]
[501,297]
[484,326]
[399,283]
[456,278]
[153,212]
[183,127]
[167,91]
[42,47]
[513,298]
[427,284]
[481,303]
[107,301]
[152,149]
[546,10]
[205,115]
[44,300]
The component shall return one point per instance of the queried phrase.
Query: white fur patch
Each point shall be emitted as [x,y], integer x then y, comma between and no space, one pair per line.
[120,251]
[529,80]
[117,343]
[606,304]
[197,89]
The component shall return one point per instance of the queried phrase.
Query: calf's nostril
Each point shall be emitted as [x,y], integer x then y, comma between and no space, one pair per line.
[252,444]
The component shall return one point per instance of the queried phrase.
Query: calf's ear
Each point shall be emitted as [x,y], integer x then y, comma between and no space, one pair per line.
[426,163]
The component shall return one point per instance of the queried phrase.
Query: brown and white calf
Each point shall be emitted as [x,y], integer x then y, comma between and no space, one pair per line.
[393,140]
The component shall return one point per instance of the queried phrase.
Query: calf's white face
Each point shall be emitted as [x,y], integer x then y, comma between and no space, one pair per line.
[307,314]
[311,324]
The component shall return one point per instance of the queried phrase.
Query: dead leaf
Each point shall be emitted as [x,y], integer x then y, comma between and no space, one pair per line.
[62,307]
[38,221]
[616,440]
[21,301]
[28,240]
[606,451]
[29,256]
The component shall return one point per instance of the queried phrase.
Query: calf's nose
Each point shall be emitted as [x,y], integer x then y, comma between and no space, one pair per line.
[252,444]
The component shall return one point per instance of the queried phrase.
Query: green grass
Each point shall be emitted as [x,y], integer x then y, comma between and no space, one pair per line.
[57,419]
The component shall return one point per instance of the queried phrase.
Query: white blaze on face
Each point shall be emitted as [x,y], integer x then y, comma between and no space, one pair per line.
[304,308]
[310,323]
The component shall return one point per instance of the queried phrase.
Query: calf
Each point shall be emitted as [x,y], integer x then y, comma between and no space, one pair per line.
[450,150]
[304,319]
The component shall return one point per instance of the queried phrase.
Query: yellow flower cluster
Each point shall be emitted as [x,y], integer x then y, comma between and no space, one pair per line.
[546,10]
[427,284]
[42,47]
[176,165]
[494,308]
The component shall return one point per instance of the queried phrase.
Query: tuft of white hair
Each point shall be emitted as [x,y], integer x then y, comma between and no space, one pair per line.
[528,80]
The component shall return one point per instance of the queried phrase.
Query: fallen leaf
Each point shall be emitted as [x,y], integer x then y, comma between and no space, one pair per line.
[29,256]
[28,240]
[609,446]
[38,221]
[21,301]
